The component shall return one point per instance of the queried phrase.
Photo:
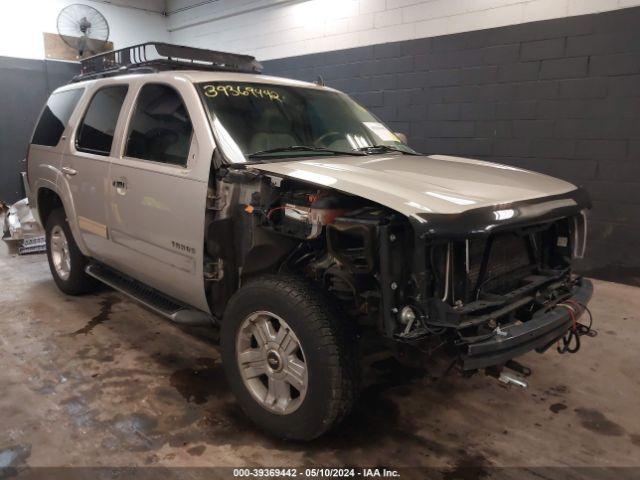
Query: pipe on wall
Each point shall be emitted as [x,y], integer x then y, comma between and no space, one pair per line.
[141,9]
[189,7]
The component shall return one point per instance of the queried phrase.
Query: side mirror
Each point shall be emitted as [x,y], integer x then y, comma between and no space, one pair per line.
[401,136]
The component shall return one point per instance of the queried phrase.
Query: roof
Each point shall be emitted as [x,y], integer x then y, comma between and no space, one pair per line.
[194,76]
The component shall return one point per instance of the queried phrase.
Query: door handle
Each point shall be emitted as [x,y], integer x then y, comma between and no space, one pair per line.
[69,171]
[120,185]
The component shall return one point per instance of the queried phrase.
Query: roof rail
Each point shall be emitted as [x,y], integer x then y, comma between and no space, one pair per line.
[154,57]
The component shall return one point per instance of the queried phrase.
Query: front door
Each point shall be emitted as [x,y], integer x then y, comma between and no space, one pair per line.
[158,197]
[85,166]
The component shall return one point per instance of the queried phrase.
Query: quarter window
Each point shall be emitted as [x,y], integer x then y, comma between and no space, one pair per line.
[55,116]
[160,128]
[95,133]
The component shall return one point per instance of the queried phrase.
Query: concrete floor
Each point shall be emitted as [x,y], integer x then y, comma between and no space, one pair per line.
[100,381]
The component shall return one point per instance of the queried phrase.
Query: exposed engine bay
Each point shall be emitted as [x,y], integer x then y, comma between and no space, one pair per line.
[482,286]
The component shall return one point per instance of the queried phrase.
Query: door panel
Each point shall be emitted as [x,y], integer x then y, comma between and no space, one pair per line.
[85,166]
[157,228]
[158,199]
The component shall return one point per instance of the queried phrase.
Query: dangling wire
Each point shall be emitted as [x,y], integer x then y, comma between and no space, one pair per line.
[571,340]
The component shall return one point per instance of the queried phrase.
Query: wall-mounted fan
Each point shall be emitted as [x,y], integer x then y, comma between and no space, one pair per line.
[83,28]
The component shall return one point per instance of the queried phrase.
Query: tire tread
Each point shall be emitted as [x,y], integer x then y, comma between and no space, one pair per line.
[339,363]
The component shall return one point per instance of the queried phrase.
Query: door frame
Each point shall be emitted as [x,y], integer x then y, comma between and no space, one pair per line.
[69,151]
[197,168]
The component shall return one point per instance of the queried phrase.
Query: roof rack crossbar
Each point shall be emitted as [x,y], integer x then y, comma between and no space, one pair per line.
[156,56]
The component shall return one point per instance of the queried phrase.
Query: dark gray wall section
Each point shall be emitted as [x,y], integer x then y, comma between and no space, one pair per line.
[560,97]
[24,88]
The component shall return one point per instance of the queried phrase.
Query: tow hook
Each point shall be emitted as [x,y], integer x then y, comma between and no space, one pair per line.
[510,378]
[507,379]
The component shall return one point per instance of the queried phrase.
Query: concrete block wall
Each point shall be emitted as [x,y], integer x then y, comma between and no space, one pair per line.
[25,85]
[559,96]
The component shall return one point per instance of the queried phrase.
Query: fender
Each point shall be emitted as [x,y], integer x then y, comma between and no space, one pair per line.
[60,188]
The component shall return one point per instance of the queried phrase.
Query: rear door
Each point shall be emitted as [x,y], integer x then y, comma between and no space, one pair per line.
[85,166]
[158,189]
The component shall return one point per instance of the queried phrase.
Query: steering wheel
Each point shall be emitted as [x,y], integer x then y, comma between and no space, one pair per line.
[328,138]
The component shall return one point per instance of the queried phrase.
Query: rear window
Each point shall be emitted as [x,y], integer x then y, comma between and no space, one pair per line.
[95,133]
[55,116]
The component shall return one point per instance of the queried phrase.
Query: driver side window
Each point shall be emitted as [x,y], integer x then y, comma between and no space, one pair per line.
[160,129]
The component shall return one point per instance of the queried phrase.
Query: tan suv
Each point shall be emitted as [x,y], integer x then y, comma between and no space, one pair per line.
[295,220]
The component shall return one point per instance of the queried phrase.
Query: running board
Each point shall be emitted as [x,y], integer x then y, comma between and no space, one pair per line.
[149,297]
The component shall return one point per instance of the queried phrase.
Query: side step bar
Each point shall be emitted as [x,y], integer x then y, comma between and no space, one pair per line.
[151,298]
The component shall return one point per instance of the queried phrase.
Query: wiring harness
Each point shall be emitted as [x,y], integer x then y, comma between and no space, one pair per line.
[571,340]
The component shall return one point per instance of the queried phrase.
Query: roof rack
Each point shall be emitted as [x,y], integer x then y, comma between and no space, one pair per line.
[154,57]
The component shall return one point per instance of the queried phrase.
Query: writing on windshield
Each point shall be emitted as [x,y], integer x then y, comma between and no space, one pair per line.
[259,117]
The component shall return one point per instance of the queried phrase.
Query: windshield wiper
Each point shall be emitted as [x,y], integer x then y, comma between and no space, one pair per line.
[304,148]
[385,148]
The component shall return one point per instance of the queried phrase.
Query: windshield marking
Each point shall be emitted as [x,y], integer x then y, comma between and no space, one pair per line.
[211,91]
[255,120]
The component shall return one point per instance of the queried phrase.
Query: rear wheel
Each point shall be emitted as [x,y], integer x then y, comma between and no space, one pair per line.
[288,358]
[66,262]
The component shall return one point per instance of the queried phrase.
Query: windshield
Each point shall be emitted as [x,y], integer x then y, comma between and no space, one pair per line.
[264,121]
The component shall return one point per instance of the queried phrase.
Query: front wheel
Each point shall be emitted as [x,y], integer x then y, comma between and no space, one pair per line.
[288,357]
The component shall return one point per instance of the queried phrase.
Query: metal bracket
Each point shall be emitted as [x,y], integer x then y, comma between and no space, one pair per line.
[508,379]
[214,271]
[215,202]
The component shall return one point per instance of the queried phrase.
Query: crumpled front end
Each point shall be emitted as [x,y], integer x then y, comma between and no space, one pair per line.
[539,332]
[494,282]
[483,284]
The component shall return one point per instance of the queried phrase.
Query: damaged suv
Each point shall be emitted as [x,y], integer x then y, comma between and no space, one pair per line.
[296,221]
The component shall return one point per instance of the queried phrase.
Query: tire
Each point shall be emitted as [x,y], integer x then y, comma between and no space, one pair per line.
[327,351]
[74,280]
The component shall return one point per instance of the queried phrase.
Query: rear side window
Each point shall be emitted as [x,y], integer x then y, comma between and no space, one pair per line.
[95,133]
[55,116]
[160,128]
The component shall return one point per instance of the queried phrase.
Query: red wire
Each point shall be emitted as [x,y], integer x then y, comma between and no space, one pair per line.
[572,314]
[281,207]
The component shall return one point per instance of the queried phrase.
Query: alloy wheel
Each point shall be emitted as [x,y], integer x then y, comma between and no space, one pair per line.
[60,252]
[272,363]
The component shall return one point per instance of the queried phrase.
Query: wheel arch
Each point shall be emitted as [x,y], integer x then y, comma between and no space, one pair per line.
[47,200]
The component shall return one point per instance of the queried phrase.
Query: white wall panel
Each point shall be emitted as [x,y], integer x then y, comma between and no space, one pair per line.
[23,22]
[281,28]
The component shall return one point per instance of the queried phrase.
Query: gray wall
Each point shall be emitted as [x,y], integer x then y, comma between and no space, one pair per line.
[559,96]
[24,88]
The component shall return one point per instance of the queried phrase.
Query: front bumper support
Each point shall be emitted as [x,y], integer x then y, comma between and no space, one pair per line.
[543,329]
